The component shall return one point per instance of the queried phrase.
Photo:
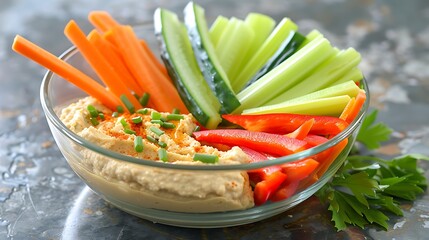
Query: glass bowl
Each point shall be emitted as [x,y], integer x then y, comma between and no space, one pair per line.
[135,199]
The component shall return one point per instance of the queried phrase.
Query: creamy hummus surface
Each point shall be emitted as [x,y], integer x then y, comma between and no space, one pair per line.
[166,189]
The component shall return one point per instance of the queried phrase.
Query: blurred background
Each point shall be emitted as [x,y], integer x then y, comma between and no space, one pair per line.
[41,198]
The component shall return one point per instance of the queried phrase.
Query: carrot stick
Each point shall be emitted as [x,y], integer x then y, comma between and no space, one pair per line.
[100,65]
[302,132]
[164,95]
[154,58]
[64,70]
[360,100]
[335,152]
[115,61]
[348,108]
[102,20]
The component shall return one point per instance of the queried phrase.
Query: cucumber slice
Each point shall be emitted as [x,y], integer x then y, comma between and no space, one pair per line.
[264,53]
[177,54]
[311,36]
[289,46]
[233,45]
[217,29]
[330,106]
[206,58]
[323,76]
[285,75]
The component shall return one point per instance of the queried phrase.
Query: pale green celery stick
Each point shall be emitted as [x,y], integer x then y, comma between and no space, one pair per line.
[355,74]
[324,75]
[311,36]
[217,29]
[268,48]
[346,88]
[285,75]
[331,106]
[233,45]
[262,25]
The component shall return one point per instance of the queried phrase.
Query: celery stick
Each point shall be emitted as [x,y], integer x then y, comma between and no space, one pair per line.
[217,29]
[324,75]
[330,106]
[233,45]
[268,48]
[262,25]
[347,88]
[355,74]
[285,75]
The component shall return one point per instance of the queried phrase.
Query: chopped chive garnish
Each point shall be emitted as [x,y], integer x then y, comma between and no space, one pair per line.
[162,154]
[168,125]
[94,121]
[162,144]
[127,103]
[156,130]
[174,116]
[142,111]
[120,109]
[115,114]
[137,119]
[92,111]
[151,139]
[176,111]
[129,131]
[138,144]
[197,128]
[206,158]
[144,99]
[157,122]
[124,123]
[136,96]
[101,115]
[155,115]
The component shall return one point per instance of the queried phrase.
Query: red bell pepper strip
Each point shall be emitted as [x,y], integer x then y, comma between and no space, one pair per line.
[275,144]
[286,190]
[314,140]
[264,189]
[295,172]
[303,130]
[283,123]
[257,175]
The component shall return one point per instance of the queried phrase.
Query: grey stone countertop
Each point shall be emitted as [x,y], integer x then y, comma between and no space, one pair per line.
[42,198]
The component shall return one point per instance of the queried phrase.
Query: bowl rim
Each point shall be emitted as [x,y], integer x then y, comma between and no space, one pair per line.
[59,125]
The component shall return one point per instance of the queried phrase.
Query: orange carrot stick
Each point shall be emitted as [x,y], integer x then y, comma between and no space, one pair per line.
[348,108]
[154,58]
[65,70]
[100,65]
[115,61]
[164,95]
[360,100]
[302,132]
[335,152]
[102,20]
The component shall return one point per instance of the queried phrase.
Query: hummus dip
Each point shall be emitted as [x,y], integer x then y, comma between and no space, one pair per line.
[151,187]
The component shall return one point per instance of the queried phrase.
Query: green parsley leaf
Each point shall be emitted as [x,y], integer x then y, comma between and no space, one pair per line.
[366,187]
[371,134]
[360,184]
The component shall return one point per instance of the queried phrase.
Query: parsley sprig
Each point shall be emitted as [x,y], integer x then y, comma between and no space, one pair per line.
[367,187]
